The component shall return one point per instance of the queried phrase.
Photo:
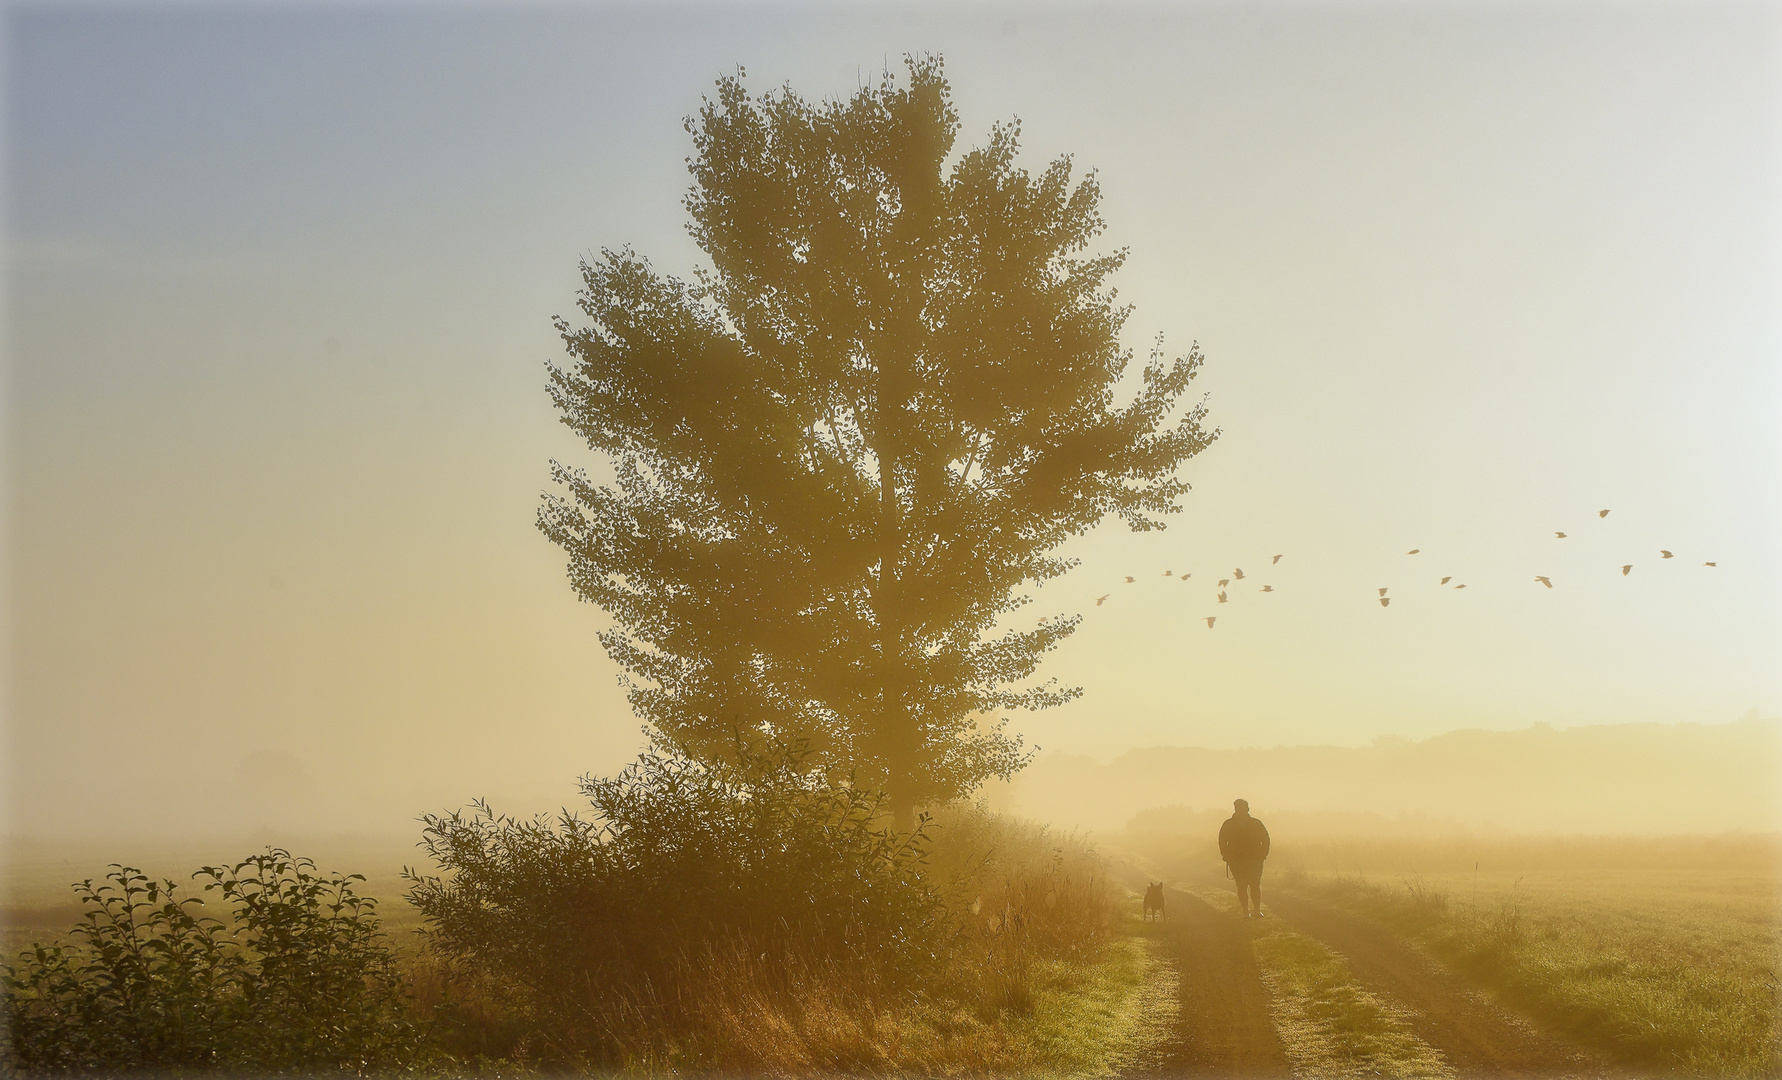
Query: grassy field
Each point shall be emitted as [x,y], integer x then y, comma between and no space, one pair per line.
[1662,953]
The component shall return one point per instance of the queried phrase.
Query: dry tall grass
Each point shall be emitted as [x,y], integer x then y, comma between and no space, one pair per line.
[1015,894]
[1026,917]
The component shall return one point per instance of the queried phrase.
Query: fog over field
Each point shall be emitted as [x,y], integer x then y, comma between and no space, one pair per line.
[1608,779]
[627,461]
[280,290]
[1611,779]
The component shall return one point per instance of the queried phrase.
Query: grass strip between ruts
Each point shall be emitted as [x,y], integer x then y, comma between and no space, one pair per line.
[1329,1025]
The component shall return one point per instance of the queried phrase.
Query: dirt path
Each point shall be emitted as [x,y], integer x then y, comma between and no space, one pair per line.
[1225,1029]
[1478,1037]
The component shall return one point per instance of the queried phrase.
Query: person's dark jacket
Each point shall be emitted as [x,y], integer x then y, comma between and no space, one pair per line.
[1243,839]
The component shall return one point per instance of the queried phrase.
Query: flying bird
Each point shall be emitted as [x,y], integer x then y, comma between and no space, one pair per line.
[1238,573]
[1385,600]
[1714,564]
[1559,536]
[1445,580]
[1462,585]
[1224,581]
[1169,573]
[1413,551]
[1602,513]
[1274,560]
[1099,599]
[1268,588]
[1222,598]
[1625,569]
[1666,554]
[1129,579]
[1543,581]
[1382,592]
[1185,577]
[1210,619]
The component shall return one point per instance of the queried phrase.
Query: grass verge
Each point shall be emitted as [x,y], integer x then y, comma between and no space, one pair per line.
[1101,1019]
[1006,1005]
[1025,969]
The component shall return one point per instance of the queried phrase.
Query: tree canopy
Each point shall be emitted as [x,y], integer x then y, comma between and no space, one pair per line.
[839,452]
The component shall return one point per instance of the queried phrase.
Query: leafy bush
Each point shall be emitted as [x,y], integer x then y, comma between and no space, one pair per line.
[602,929]
[297,980]
[753,918]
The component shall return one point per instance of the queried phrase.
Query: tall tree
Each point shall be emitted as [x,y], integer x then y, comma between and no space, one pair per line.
[839,452]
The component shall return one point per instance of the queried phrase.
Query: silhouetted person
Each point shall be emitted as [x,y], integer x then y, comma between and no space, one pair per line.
[1243,844]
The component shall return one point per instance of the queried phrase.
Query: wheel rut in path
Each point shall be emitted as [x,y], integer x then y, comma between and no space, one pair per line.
[1477,1037]
[1225,1029]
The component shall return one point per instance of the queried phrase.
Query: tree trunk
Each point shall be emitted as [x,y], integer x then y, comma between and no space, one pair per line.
[896,735]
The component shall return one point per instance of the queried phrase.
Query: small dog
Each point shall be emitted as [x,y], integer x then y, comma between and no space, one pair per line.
[1154,900]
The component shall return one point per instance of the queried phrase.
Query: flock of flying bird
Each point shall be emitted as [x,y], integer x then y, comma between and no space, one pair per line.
[1237,574]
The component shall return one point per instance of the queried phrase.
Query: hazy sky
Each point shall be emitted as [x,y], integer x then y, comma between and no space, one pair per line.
[279,291]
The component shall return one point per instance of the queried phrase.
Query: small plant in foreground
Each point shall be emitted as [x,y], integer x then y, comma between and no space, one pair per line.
[298,980]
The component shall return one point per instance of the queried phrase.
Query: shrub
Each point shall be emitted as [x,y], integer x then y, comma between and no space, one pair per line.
[297,980]
[601,929]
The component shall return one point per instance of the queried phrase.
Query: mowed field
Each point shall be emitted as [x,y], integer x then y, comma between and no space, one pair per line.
[1658,954]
